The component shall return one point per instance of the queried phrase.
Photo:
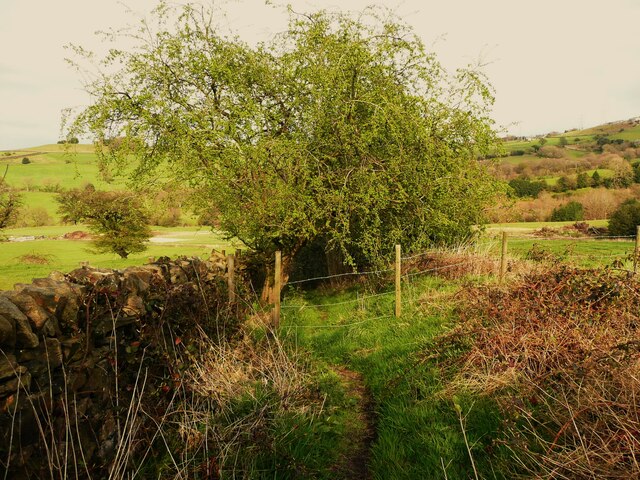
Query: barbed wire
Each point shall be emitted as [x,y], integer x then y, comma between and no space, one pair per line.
[370,272]
[358,299]
[471,247]
[435,269]
[575,239]
[340,325]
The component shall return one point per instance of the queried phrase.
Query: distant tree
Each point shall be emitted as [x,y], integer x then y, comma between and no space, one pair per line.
[625,219]
[72,140]
[26,161]
[565,184]
[10,202]
[117,218]
[583,180]
[636,172]
[596,180]
[562,142]
[572,211]
[73,204]
[523,187]
[549,151]
[623,174]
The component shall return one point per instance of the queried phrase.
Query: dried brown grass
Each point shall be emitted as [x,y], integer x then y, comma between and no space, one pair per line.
[560,353]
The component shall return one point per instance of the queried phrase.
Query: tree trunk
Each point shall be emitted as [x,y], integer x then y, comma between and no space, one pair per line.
[335,263]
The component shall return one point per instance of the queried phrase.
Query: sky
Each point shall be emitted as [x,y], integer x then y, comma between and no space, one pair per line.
[555,64]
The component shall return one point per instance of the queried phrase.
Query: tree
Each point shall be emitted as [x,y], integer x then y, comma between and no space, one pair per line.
[563,142]
[116,217]
[568,212]
[625,219]
[583,180]
[622,172]
[596,179]
[343,131]
[10,202]
[636,172]
[565,184]
[523,187]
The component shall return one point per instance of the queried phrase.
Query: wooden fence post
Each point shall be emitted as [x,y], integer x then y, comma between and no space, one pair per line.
[636,251]
[276,289]
[398,275]
[231,284]
[503,258]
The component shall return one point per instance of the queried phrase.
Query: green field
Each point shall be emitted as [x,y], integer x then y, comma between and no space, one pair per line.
[603,172]
[51,171]
[631,134]
[17,258]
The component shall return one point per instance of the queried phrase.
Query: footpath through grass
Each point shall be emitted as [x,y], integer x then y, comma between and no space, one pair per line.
[419,432]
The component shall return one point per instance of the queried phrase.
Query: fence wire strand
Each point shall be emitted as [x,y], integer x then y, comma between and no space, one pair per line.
[435,269]
[327,277]
[364,297]
[351,324]
[444,267]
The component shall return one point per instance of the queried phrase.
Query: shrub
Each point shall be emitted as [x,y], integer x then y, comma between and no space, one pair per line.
[569,212]
[524,187]
[625,219]
[600,202]
[565,375]
[25,161]
[33,217]
[583,180]
[549,151]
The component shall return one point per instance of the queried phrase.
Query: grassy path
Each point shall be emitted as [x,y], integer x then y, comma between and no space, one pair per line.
[355,462]
[417,428]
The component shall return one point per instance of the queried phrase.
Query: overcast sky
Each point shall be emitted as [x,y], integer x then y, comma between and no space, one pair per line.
[555,64]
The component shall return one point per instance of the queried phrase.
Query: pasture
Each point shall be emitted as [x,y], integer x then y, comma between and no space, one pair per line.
[21,261]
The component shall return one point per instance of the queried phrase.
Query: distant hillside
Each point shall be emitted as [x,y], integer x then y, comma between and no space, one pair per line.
[624,129]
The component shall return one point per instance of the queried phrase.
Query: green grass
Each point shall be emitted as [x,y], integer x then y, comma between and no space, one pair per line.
[529,227]
[603,172]
[630,134]
[580,252]
[56,147]
[58,170]
[417,430]
[44,200]
[66,255]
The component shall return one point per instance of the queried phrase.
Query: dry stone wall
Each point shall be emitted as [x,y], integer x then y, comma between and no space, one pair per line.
[74,346]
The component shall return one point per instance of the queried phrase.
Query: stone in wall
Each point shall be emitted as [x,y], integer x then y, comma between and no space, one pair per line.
[76,348]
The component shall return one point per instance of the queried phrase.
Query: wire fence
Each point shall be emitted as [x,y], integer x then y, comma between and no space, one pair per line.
[489,257]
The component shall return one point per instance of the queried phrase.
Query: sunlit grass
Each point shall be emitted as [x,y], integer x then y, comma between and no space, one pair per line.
[418,431]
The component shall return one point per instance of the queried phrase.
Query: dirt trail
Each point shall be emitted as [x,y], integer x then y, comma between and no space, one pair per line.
[355,461]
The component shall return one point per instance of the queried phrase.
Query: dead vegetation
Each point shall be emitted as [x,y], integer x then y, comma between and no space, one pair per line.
[35,259]
[560,354]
